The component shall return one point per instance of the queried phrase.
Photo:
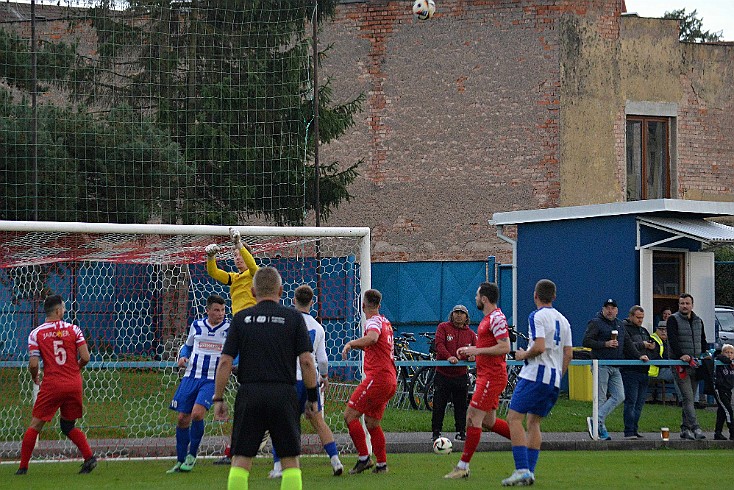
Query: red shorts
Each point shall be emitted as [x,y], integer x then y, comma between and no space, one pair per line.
[371,397]
[487,393]
[50,399]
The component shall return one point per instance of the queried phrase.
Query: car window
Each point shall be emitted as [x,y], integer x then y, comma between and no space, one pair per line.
[726,320]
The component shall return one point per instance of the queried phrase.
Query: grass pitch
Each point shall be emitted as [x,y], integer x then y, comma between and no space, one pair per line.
[557,470]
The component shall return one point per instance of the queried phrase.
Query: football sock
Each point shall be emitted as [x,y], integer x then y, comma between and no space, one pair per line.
[520,455]
[533,458]
[26,449]
[237,479]
[291,479]
[378,444]
[276,459]
[183,436]
[80,441]
[473,434]
[502,428]
[356,432]
[196,434]
[277,466]
[330,449]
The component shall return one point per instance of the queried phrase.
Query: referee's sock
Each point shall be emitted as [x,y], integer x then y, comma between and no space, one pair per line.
[238,478]
[291,479]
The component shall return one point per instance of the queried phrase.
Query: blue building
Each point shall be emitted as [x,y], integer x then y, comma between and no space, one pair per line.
[639,253]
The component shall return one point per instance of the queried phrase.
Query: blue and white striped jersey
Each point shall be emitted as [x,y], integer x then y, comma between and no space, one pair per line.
[205,344]
[550,324]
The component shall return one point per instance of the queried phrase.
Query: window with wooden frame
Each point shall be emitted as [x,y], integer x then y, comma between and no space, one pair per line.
[668,279]
[648,158]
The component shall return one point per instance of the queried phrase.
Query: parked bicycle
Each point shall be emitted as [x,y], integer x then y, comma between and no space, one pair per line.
[407,374]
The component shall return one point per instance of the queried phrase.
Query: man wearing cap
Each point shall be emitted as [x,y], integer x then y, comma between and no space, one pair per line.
[608,340]
[451,383]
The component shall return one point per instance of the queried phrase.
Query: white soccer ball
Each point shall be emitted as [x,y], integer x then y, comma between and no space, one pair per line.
[442,445]
[424,9]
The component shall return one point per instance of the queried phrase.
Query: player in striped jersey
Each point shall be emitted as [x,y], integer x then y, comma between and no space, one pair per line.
[200,354]
[546,360]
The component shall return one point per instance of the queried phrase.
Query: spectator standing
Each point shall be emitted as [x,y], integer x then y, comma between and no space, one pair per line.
[687,339]
[723,386]
[452,382]
[635,378]
[661,352]
[608,340]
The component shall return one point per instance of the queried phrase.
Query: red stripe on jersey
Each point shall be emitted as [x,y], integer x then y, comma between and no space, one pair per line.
[492,328]
[379,360]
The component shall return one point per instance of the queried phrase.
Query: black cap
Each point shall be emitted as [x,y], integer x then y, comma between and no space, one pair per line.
[610,302]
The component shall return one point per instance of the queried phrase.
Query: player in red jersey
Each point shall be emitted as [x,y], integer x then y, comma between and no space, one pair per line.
[493,344]
[64,352]
[379,385]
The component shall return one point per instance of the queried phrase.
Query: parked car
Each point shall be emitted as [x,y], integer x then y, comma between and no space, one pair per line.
[724,325]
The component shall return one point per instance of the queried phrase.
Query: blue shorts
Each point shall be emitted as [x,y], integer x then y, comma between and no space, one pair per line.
[191,391]
[301,393]
[533,397]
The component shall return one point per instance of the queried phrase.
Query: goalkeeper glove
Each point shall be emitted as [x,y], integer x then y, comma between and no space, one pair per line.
[234,235]
[211,250]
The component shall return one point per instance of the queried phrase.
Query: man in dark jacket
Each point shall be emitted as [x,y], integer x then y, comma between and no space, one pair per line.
[451,383]
[608,340]
[687,340]
[634,378]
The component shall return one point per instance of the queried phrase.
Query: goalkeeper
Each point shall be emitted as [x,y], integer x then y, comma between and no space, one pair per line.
[240,286]
[240,283]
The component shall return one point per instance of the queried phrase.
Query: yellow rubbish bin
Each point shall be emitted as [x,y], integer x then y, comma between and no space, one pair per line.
[579,383]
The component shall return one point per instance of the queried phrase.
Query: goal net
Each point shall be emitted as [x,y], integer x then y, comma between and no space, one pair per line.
[134,290]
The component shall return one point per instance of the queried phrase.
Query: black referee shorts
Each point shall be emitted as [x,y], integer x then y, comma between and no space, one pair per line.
[266,406]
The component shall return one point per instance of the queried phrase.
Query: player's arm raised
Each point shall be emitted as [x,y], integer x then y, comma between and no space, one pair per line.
[244,251]
[211,265]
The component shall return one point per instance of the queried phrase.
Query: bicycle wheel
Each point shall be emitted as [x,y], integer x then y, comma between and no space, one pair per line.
[421,379]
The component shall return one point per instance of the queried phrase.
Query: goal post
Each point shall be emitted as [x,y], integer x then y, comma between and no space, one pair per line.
[134,289]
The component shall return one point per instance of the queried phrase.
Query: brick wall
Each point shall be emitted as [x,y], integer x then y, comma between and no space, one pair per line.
[461,120]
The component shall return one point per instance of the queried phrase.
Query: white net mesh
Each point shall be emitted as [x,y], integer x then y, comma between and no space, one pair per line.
[134,296]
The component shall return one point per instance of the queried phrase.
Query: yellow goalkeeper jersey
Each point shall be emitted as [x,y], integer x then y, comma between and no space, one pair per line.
[240,283]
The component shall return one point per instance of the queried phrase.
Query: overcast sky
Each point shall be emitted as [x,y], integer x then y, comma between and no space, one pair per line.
[717,15]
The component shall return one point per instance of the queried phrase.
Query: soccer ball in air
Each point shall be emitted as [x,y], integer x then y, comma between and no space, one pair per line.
[424,9]
[442,445]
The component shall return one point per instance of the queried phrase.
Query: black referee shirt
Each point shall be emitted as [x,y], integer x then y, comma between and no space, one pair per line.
[268,337]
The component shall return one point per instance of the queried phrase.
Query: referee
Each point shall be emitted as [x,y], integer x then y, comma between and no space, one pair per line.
[267,337]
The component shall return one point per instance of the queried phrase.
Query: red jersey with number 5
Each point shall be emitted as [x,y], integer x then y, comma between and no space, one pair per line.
[56,344]
[379,359]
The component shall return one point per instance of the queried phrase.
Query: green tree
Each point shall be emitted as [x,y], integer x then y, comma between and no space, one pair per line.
[230,82]
[691,27]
